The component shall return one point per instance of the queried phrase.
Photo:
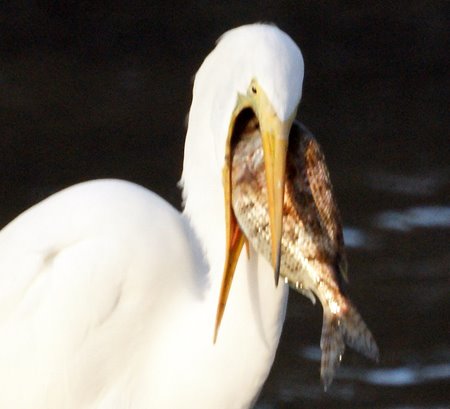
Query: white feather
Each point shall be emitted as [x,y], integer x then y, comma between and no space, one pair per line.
[108,294]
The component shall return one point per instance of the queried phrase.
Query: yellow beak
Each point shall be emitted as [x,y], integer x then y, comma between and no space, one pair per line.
[275,138]
[275,143]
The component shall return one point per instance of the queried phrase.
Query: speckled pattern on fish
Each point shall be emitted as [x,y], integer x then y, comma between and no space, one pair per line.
[313,259]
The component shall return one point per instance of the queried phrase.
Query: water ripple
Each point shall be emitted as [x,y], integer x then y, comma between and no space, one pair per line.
[355,237]
[400,376]
[424,184]
[414,217]
[404,375]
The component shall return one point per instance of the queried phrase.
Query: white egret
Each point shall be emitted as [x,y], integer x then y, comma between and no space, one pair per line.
[108,295]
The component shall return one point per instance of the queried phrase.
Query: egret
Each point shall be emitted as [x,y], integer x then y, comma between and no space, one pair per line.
[109,295]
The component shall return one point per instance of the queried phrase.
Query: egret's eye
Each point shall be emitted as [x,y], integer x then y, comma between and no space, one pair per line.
[254,89]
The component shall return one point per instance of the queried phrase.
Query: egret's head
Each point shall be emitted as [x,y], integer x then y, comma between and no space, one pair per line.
[263,58]
[256,68]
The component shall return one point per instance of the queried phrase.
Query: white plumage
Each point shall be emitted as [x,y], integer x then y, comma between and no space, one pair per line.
[108,295]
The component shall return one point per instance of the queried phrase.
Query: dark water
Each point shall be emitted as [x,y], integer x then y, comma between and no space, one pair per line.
[89,91]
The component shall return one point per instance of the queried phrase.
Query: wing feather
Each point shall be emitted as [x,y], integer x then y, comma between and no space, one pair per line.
[81,276]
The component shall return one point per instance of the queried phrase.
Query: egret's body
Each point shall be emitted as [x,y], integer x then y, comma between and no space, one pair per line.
[108,305]
[108,295]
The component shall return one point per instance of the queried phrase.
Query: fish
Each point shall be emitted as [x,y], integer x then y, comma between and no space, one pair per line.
[313,259]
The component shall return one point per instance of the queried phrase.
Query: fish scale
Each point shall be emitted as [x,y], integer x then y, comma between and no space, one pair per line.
[313,259]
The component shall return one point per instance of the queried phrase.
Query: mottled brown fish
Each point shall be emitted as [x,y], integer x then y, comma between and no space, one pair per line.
[313,257]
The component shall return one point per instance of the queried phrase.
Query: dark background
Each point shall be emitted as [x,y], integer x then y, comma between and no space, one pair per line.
[102,89]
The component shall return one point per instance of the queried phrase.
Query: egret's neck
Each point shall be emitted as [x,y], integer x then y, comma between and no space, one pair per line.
[255,310]
[253,295]
[204,156]
[205,210]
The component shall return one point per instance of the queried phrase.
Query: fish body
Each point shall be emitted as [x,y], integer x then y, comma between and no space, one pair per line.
[313,259]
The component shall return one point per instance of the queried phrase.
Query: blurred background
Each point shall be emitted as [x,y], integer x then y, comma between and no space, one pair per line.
[101,89]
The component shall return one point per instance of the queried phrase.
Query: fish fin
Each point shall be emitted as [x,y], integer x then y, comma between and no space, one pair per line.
[337,332]
[343,266]
[332,345]
[356,334]
[247,248]
[309,294]
[313,185]
[297,286]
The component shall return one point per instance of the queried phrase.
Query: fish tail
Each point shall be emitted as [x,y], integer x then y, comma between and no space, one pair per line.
[339,330]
